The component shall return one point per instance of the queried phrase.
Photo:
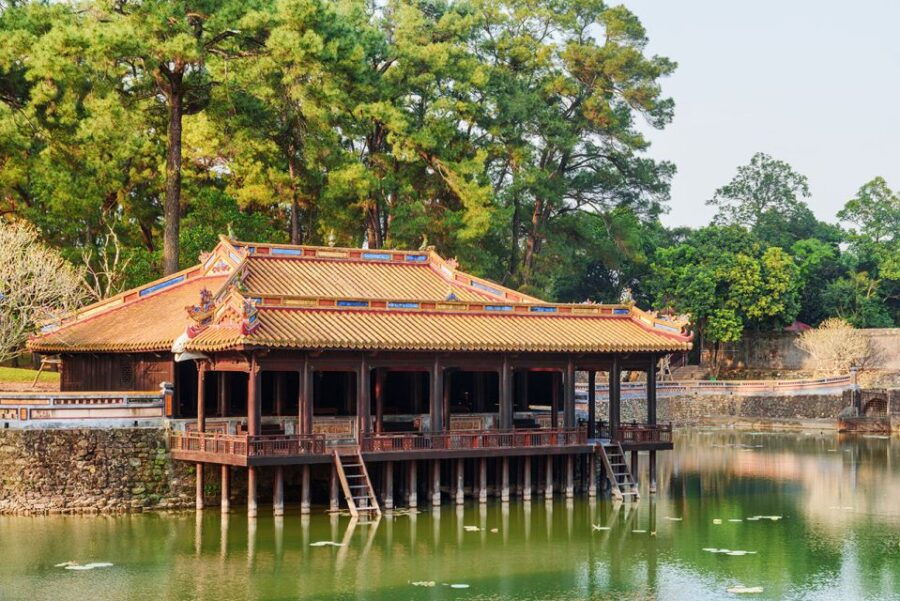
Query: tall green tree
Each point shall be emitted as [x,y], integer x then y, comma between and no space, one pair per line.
[569,82]
[157,53]
[727,282]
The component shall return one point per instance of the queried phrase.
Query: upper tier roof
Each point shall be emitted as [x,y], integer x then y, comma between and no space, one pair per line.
[305,297]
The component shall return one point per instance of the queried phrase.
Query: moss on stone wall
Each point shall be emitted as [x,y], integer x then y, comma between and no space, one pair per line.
[90,470]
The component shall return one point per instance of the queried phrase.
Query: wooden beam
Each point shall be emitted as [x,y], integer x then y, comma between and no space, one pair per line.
[278,493]
[592,404]
[305,419]
[380,374]
[363,398]
[506,401]
[615,399]
[199,487]
[526,478]
[253,404]
[225,489]
[651,390]
[251,492]
[569,395]
[412,485]
[436,398]
[304,490]
[201,405]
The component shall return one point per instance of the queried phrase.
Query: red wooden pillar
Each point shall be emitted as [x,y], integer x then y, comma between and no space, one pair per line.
[554,399]
[305,419]
[363,399]
[379,400]
[253,405]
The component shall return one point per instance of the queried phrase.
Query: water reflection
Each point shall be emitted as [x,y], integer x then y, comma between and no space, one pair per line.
[838,538]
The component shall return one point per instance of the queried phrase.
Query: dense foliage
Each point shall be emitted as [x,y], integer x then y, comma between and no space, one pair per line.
[507,133]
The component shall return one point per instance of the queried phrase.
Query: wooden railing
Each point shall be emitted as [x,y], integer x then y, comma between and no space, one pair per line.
[637,433]
[475,439]
[243,445]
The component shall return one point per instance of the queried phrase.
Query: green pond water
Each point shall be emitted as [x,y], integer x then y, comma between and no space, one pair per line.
[838,538]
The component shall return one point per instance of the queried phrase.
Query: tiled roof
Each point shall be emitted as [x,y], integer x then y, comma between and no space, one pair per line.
[350,279]
[324,298]
[327,328]
[148,323]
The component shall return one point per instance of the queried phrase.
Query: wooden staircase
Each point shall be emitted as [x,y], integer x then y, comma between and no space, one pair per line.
[355,482]
[621,482]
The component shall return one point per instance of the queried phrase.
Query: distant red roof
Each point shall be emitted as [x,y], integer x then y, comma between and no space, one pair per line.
[798,326]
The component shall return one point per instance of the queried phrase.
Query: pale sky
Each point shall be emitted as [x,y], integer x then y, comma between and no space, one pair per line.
[815,83]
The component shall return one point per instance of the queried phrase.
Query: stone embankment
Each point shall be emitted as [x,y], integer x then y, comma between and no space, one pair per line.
[796,411]
[90,471]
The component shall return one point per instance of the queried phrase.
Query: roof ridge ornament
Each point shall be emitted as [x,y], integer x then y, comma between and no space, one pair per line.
[201,313]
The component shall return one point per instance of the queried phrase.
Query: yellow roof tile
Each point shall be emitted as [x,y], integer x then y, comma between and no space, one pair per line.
[148,323]
[429,331]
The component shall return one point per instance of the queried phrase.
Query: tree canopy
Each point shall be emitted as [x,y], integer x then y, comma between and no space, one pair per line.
[511,134]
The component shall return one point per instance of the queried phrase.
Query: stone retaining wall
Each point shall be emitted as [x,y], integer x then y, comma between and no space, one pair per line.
[693,409]
[90,470]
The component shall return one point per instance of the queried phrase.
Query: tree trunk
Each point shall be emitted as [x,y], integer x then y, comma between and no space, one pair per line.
[533,243]
[172,206]
[296,238]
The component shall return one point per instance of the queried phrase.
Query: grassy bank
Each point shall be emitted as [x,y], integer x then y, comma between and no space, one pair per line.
[17,374]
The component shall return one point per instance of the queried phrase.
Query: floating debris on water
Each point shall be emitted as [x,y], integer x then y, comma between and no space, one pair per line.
[732,552]
[756,518]
[495,530]
[73,565]
[426,583]
[639,532]
[744,590]
[735,520]
[471,528]
[717,521]
[326,543]
[459,586]
[672,519]
[598,527]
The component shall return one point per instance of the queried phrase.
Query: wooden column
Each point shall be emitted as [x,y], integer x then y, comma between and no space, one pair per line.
[201,404]
[436,483]
[412,485]
[278,493]
[304,490]
[634,466]
[570,476]
[333,503]
[482,479]
[554,399]
[526,478]
[436,399]
[504,479]
[569,395]
[592,404]
[615,387]
[280,392]
[460,481]
[198,486]
[305,419]
[548,473]
[225,486]
[506,394]
[201,427]
[387,483]
[251,492]
[363,400]
[651,391]
[651,466]
[379,399]
[592,475]
[223,394]
[253,405]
